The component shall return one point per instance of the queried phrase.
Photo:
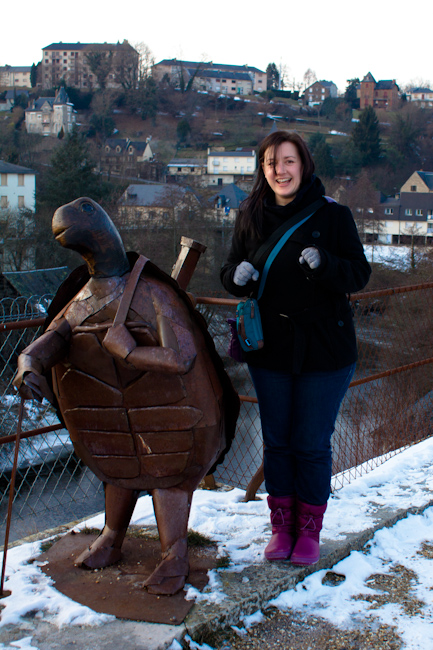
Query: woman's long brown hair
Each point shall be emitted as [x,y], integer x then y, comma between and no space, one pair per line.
[250,221]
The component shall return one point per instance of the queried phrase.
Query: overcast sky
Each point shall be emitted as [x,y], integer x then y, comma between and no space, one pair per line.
[337,39]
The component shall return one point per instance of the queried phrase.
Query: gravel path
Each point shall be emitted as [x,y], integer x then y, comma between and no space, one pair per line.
[295,632]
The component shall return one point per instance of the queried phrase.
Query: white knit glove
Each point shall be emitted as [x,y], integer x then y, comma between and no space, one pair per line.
[245,272]
[311,256]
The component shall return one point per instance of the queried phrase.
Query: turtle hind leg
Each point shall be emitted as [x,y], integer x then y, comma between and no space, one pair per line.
[172,506]
[106,549]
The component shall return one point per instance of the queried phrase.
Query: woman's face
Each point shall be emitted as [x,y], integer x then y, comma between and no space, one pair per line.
[283,169]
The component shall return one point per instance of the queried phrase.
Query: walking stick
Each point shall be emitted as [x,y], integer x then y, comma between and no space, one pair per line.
[11,498]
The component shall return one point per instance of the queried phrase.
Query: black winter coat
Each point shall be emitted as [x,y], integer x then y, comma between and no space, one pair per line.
[306,315]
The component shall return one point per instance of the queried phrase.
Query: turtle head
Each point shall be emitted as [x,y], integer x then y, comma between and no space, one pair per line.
[83,226]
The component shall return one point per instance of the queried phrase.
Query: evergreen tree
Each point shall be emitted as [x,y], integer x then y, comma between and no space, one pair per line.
[321,152]
[183,130]
[323,160]
[70,174]
[315,140]
[273,76]
[33,75]
[350,94]
[366,137]
[148,98]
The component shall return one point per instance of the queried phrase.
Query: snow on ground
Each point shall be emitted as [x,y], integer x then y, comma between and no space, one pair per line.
[241,531]
[345,604]
[396,257]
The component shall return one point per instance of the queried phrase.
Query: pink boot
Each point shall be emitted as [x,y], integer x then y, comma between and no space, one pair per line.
[283,528]
[308,526]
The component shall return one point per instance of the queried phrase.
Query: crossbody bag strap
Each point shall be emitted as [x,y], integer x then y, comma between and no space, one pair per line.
[289,228]
[267,246]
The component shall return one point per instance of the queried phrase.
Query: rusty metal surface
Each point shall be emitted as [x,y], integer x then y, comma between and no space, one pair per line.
[118,589]
[149,408]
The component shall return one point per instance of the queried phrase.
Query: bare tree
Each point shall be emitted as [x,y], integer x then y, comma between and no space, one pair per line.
[101,64]
[309,77]
[285,74]
[146,60]
[18,243]
[363,199]
[417,82]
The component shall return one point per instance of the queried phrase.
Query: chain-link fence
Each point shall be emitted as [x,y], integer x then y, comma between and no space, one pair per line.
[387,407]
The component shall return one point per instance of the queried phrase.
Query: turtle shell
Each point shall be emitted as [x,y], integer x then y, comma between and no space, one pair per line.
[143,429]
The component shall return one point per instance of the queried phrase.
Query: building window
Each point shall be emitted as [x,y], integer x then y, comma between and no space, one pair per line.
[4,179]
[418,213]
[20,180]
[389,211]
[21,203]
[408,212]
[413,188]
[3,202]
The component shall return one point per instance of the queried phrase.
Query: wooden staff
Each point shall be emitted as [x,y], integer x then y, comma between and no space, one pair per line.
[11,497]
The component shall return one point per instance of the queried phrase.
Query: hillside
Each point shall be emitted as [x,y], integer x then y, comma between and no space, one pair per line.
[185,124]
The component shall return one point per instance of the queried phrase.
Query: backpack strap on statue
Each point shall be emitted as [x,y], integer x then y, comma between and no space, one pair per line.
[129,290]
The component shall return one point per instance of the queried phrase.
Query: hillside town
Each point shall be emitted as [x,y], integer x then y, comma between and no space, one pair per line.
[89,91]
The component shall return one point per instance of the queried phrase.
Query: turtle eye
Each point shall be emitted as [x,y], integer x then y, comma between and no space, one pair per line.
[87,207]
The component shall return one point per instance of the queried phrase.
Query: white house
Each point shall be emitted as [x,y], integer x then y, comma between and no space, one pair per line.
[12,76]
[404,218]
[422,97]
[17,187]
[17,207]
[224,167]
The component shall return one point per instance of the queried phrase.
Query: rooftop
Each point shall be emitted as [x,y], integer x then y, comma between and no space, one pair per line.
[38,282]
[9,168]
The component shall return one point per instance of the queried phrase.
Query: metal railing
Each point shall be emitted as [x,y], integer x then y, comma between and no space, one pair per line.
[387,407]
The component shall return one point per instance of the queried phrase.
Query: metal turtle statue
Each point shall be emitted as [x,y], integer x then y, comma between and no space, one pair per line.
[138,384]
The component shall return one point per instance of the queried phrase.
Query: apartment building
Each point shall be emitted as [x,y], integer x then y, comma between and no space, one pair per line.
[12,76]
[89,65]
[214,77]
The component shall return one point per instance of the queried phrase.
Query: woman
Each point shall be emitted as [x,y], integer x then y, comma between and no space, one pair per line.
[308,359]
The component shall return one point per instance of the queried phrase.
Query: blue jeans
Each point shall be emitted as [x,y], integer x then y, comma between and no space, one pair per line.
[298,414]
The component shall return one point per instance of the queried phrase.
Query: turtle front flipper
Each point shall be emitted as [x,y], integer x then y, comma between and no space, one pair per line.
[172,506]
